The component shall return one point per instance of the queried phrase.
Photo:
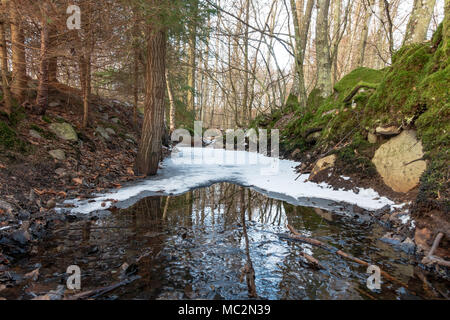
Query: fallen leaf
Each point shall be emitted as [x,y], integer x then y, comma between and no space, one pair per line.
[39,192]
[77,180]
[2,211]
[130,171]
[2,166]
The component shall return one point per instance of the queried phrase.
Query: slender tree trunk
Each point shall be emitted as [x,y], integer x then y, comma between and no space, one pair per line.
[4,56]
[53,59]
[150,147]
[19,74]
[192,63]
[324,81]
[42,94]
[172,111]
[419,21]
[136,86]
[302,22]
[365,33]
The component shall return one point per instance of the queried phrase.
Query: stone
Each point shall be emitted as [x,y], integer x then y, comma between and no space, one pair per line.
[392,239]
[103,133]
[295,153]
[34,134]
[21,236]
[54,104]
[131,137]
[399,163]
[388,131]
[313,137]
[58,154]
[408,246]
[323,164]
[115,120]
[372,138]
[51,203]
[64,131]
[24,215]
[110,131]
[6,206]
[60,172]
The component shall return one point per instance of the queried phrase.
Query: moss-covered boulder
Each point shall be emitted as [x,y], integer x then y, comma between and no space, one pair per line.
[64,131]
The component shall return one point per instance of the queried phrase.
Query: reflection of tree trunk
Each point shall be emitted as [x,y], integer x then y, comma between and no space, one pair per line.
[42,95]
[248,269]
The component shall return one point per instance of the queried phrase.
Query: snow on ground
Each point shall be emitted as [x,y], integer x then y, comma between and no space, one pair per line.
[190,168]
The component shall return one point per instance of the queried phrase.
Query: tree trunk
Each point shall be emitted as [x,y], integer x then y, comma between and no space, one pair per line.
[4,57]
[19,74]
[419,21]
[42,94]
[365,33]
[302,22]
[53,59]
[192,62]
[150,147]
[172,112]
[324,81]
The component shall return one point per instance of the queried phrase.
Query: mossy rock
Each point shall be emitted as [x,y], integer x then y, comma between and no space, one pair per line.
[64,131]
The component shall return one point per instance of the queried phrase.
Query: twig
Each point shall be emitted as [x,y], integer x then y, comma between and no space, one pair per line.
[101,291]
[430,258]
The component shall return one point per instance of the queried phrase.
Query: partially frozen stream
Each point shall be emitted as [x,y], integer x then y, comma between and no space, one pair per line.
[182,235]
[193,246]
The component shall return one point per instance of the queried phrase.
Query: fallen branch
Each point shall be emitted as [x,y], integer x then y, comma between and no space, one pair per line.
[430,259]
[298,237]
[101,291]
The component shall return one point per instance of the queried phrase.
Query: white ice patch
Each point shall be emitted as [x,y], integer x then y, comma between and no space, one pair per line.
[194,167]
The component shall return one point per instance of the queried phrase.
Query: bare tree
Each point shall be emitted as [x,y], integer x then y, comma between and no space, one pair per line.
[419,21]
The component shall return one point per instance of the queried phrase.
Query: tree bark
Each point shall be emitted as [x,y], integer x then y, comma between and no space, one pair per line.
[302,22]
[42,94]
[365,33]
[419,21]
[4,57]
[150,146]
[192,62]
[19,73]
[172,112]
[323,57]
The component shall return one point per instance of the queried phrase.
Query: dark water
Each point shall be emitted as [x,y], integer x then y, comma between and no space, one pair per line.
[194,246]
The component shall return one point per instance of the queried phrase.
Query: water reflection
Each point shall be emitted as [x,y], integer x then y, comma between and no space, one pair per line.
[221,242]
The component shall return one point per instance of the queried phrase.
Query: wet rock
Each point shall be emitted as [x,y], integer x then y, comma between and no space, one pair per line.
[399,162]
[388,131]
[34,134]
[58,154]
[57,294]
[21,236]
[103,133]
[323,164]
[408,246]
[64,131]
[392,239]
[24,215]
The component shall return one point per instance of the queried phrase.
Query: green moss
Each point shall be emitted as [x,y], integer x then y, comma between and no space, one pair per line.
[46,119]
[9,139]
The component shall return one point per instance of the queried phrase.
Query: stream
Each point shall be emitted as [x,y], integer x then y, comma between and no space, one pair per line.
[194,246]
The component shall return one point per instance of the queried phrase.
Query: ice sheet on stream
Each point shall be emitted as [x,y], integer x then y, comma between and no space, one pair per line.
[190,168]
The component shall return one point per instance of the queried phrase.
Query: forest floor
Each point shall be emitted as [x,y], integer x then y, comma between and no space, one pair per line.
[32,181]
